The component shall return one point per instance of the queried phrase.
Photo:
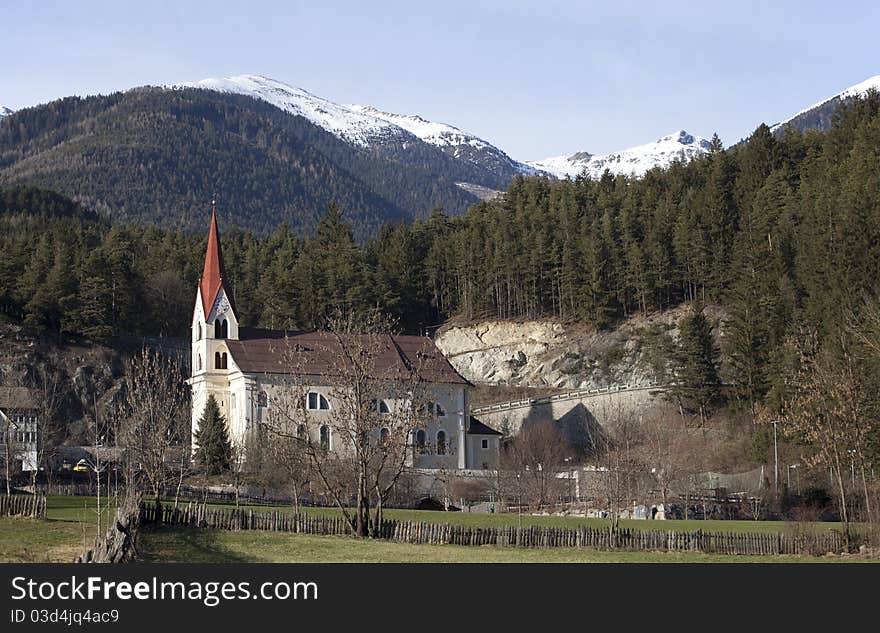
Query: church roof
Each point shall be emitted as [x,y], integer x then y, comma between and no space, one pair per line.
[319,353]
[214,273]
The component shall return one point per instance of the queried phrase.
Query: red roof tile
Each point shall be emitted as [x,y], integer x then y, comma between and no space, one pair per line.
[214,273]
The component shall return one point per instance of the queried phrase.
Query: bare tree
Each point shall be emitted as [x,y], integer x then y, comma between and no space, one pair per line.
[358,447]
[47,389]
[183,461]
[826,412]
[11,448]
[618,462]
[669,450]
[283,464]
[532,462]
[152,415]
[17,399]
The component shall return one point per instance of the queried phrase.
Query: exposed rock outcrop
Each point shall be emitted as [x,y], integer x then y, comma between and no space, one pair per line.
[551,354]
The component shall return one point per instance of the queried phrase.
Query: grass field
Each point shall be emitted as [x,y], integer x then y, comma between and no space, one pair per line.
[71,525]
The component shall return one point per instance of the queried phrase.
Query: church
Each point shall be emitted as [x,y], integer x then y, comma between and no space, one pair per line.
[244,369]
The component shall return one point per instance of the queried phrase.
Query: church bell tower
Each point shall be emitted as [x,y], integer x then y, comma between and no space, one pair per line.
[214,322]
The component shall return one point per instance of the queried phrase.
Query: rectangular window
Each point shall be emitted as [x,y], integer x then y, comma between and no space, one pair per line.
[484,443]
[313,401]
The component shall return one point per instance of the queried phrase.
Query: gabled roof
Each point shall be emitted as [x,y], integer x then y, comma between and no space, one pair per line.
[478,428]
[17,399]
[320,353]
[213,273]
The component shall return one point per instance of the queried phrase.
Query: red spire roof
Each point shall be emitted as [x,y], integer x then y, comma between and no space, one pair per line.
[213,273]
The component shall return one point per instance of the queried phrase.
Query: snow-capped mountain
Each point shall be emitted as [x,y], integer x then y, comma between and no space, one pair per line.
[452,140]
[635,161]
[4,112]
[342,121]
[819,115]
[364,125]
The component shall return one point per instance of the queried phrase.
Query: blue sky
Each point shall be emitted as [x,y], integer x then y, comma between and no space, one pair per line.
[536,78]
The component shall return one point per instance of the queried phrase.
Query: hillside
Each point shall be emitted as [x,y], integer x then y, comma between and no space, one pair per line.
[159,155]
[551,354]
[820,116]
[387,133]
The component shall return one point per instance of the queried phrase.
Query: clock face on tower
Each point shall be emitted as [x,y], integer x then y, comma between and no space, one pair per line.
[221,306]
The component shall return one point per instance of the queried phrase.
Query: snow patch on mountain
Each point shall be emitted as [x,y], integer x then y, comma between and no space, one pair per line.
[859,90]
[634,161]
[356,127]
[5,112]
[441,134]
[453,140]
[364,125]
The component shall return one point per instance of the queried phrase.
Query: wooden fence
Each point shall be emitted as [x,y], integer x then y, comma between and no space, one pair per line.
[752,543]
[33,506]
[117,545]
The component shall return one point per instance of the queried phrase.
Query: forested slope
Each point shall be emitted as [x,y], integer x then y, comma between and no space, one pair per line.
[158,156]
[784,233]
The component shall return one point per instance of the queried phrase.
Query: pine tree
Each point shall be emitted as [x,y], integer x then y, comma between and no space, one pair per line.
[213,449]
[698,387]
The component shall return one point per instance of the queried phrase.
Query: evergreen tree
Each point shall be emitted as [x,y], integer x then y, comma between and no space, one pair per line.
[697,385]
[213,448]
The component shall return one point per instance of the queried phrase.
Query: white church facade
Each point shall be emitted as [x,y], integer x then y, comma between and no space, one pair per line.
[245,370]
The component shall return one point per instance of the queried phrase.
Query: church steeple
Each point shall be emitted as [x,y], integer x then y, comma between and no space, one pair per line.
[213,274]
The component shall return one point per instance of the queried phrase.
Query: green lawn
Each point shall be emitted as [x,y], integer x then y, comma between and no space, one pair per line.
[71,525]
[220,546]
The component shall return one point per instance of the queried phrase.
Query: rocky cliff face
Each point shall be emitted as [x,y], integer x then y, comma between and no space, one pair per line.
[88,375]
[550,354]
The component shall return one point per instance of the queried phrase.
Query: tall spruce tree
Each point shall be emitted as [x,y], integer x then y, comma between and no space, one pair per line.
[698,386]
[213,448]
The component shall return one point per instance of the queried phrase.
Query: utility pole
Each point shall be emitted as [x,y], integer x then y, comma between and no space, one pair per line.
[775,460]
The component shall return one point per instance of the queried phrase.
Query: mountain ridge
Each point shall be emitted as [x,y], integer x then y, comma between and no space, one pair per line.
[367,126]
[155,154]
[820,114]
[633,161]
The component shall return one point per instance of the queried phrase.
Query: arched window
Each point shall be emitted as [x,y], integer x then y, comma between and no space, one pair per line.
[223,361]
[325,437]
[217,361]
[198,331]
[382,407]
[420,442]
[198,362]
[441,442]
[316,402]
[435,409]
[383,435]
[221,328]
[301,432]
